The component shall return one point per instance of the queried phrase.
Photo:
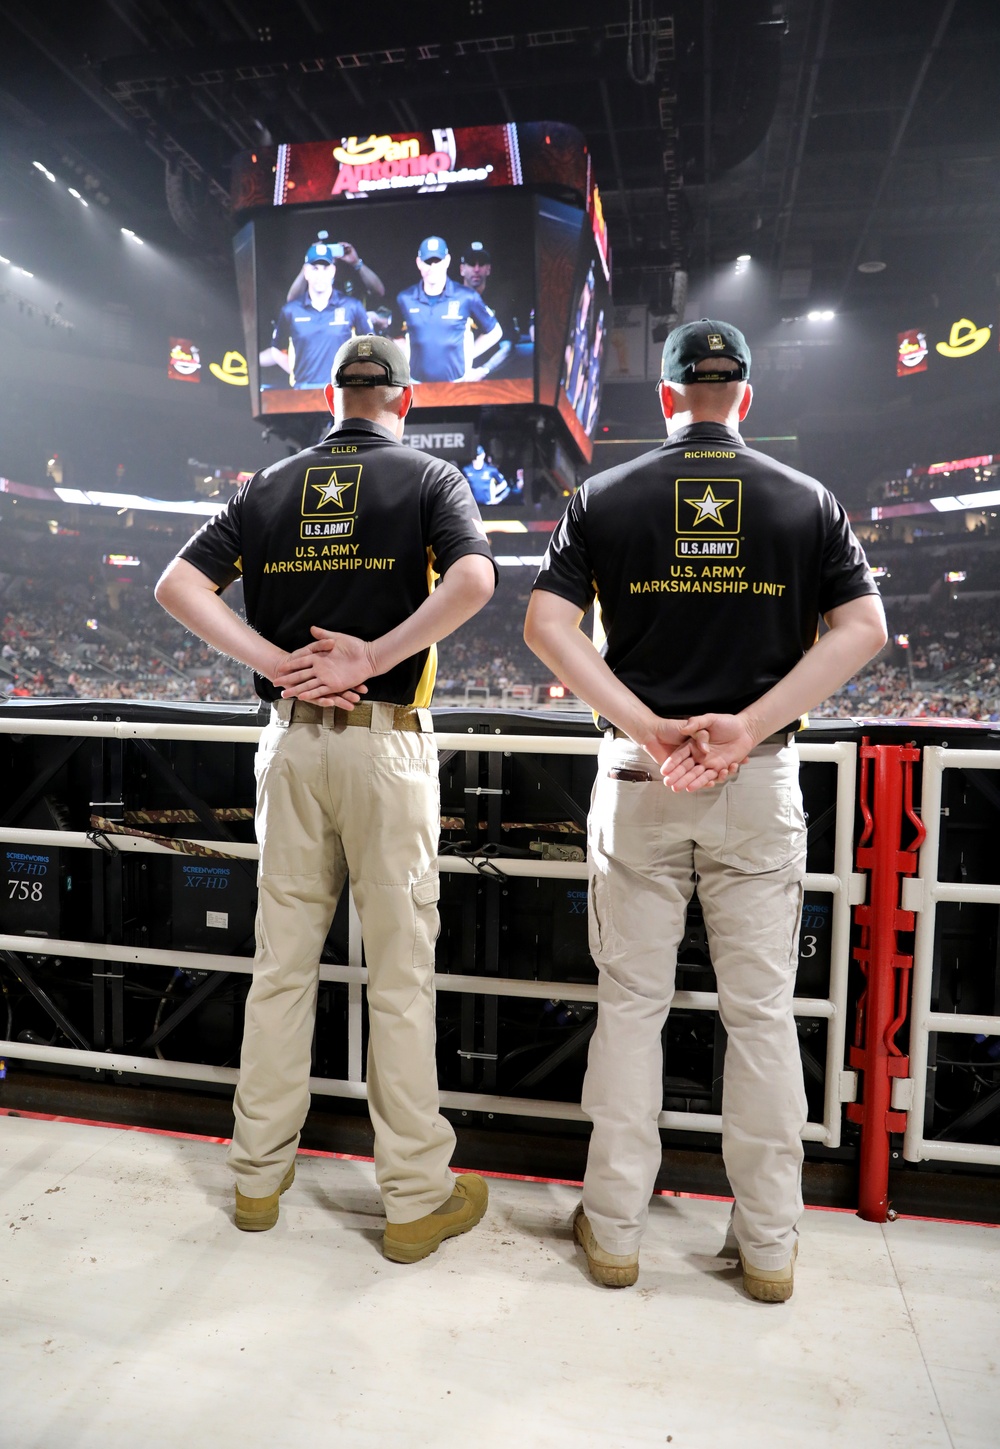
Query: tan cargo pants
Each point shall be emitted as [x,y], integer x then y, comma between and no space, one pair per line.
[331,800]
[743,845]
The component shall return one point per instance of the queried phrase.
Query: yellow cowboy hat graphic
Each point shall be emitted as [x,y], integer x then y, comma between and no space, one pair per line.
[234,369]
[965,338]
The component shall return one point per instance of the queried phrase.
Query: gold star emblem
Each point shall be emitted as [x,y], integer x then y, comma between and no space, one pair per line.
[333,491]
[709,506]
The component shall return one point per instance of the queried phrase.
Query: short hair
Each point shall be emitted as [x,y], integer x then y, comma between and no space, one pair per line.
[380,398]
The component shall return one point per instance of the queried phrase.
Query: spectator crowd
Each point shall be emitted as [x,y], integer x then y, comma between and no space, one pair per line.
[87,639]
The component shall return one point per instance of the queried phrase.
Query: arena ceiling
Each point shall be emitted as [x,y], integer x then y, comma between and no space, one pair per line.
[815,135]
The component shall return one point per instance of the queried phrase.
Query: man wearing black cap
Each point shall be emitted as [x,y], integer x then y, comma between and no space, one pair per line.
[444,325]
[475,267]
[711,565]
[310,329]
[338,548]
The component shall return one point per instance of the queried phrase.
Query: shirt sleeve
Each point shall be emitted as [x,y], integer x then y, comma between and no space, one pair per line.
[454,525]
[567,569]
[360,319]
[844,572]
[483,315]
[216,549]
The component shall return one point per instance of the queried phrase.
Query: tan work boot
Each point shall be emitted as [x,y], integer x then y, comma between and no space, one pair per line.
[614,1270]
[254,1214]
[769,1285]
[409,1242]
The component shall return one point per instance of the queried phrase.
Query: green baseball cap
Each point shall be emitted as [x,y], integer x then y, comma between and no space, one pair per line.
[699,341]
[369,348]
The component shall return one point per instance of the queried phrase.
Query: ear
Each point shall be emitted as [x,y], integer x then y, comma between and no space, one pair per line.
[406,401]
[745,401]
[328,394]
[667,400]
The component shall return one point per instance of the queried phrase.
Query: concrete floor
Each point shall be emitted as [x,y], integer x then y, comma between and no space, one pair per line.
[134,1314]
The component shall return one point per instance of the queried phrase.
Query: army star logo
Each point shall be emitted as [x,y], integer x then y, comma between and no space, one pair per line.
[333,491]
[709,506]
[330,501]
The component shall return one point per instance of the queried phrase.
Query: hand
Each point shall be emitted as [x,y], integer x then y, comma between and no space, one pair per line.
[723,743]
[473,374]
[327,672]
[684,753]
[350,255]
[660,737]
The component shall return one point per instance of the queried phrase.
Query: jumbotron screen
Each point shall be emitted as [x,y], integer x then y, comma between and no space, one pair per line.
[453,282]
[483,252]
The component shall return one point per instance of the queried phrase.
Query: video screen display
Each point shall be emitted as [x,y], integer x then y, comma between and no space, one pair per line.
[579,396]
[490,486]
[452,281]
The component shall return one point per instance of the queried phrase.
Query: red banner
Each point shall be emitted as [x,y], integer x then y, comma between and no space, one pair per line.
[412,163]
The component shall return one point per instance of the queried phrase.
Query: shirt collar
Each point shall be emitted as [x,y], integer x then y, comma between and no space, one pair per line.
[336,298]
[447,291]
[704,432]
[359,425]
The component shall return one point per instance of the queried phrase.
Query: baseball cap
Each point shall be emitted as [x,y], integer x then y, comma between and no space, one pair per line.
[321,251]
[686,346]
[432,249]
[372,349]
[475,254]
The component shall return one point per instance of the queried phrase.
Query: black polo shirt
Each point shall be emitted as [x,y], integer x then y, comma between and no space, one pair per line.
[350,535]
[710,563]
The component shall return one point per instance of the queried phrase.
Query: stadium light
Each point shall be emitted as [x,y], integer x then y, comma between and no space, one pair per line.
[81,199]
[824,315]
[44,170]
[24,271]
[132,236]
[742,262]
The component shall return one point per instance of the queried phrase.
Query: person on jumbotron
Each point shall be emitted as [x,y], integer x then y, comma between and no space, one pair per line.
[711,565]
[311,328]
[438,319]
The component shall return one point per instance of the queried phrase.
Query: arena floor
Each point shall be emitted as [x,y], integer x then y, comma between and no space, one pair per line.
[135,1314]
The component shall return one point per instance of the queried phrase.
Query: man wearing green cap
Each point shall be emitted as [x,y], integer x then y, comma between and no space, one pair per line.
[338,548]
[711,566]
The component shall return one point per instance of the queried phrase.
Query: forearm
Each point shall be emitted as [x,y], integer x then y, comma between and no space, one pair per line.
[462,592]
[574,660]
[274,357]
[199,608]
[371,280]
[486,340]
[492,363]
[832,660]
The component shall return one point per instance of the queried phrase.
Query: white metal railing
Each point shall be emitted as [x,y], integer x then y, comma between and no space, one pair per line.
[845,888]
[922,893]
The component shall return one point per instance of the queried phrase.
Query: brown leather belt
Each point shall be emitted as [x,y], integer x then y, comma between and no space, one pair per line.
[404,716]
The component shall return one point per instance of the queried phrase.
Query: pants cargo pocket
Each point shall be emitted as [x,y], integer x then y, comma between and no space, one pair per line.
[426,892]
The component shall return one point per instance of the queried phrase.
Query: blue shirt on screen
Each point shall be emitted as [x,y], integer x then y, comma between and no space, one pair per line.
[315,335]
[487,482]
[437,326]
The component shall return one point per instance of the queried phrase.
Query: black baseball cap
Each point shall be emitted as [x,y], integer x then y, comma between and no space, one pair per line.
[698,341]
[475,254]
[379,350]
